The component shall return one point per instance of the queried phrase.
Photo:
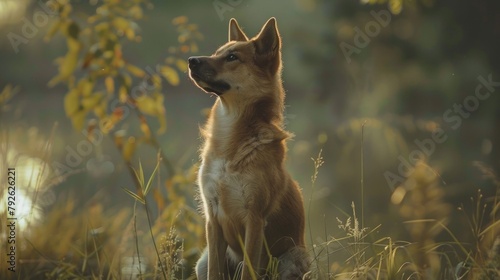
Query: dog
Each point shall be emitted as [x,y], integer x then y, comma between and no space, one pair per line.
[254,211]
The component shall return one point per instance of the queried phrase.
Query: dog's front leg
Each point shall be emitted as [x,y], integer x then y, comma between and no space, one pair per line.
[254,238]
[217,248]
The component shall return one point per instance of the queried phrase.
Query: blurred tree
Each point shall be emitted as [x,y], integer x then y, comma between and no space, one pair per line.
[104,87]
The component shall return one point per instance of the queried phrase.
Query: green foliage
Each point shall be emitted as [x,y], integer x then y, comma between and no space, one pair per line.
[104,86]
[98,73]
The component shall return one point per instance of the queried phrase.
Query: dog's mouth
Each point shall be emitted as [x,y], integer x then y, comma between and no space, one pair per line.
[211,86]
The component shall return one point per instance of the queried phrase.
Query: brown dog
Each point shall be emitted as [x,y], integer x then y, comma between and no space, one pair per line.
[249,200]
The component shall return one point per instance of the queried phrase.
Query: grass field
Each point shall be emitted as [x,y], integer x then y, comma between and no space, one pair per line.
[75,239]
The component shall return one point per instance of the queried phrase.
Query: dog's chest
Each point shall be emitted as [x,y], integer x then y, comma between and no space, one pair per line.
[224,191]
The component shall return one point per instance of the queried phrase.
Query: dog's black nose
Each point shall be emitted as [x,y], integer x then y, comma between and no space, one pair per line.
[193,62]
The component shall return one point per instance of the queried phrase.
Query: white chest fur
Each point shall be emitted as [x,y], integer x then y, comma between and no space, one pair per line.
[211,176]
[223,123]
[221,188]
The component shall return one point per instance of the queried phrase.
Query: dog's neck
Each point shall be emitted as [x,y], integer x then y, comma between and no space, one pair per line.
[260,106]
[255,122]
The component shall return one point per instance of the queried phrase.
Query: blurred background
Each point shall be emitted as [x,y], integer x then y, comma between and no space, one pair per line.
[395,102]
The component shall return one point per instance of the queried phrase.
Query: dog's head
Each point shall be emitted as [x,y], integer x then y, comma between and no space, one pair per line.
[242,64]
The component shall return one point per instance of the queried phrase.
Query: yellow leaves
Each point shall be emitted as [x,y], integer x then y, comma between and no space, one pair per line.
[7,93]
[129,148]
[128,145]
[78,102]
[74,46]
[100,110]
[125,26]
[145,127]
[109,122]
[65,8]
[118,138]
[135,12]
[182,38]
[156,80]
[121,23]
[180,20]
[168,71]
[103,11]
[90,102]
[72,102]
[194,47]
[85,87]
[184,48]
[147,105]
[102,28]
[395,6]
[153,106]
[126,80]
[134,70]
[96,46]
[163,124]
[74,109]
[110,84]
[78,119]
[181,65]
[122,94]
[117,61]
[170,75]
[67,64]
[188,36]
[130,33]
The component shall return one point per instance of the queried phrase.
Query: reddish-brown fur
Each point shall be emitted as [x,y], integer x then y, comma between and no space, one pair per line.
[247,194]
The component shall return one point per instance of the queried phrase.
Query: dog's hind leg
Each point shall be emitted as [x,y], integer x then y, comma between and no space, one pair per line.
[294,264]
[201,268]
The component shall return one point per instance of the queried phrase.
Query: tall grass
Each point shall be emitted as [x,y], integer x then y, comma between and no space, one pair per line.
[75,239]
[162,239]
[420,202]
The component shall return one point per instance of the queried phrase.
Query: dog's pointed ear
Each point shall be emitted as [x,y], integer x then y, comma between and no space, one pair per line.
[235,33]
[268,40]
[268,45]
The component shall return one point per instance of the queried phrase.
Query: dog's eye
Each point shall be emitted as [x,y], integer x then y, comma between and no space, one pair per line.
[231,57]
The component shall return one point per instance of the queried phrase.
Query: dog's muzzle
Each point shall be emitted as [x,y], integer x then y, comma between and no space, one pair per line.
[194,62]
[203,74]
